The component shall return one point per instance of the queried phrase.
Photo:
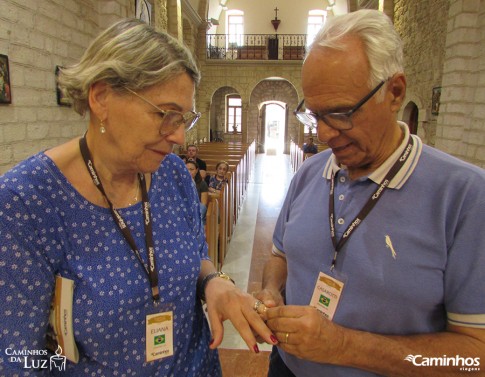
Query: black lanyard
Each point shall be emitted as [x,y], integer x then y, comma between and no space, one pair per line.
[151,270]
[371,202]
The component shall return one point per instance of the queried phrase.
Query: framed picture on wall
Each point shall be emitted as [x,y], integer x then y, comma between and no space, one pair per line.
[435,100]
[62,100]
[143,11]
[5,92]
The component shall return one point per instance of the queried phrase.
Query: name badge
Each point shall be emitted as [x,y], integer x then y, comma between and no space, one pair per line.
[326,295]
[159,335]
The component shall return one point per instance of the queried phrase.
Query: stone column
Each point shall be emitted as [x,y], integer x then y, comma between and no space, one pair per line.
[175,27]
[203,125]
[160,13]
[244,120]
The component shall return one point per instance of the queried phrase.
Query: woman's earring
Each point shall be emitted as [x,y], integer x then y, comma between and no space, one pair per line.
[101,127]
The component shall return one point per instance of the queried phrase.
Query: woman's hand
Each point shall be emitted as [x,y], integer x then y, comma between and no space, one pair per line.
[226,301]
[268,299]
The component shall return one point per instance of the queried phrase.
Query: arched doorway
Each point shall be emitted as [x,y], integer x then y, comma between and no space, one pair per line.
[272,91]
[410,116]
[274,122]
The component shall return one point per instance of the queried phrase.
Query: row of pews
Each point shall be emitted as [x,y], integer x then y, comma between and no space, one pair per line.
[223,209]
[297,156]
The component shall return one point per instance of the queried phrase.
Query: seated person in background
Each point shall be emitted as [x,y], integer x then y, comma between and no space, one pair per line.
[192,151]
[201,186]
[309,149]
[218,180]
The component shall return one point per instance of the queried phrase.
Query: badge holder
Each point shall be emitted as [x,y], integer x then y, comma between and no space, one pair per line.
[159,333]
[328,292]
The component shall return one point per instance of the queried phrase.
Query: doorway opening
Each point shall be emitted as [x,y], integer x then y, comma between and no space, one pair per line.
[410,116]
[274,126]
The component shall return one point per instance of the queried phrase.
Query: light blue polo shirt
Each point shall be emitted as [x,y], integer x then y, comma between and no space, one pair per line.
[414,263]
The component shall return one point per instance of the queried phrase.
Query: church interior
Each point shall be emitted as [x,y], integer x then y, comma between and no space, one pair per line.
[250,54]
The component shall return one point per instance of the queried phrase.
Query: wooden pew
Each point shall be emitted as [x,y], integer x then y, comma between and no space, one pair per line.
[238,168]
[296,156]
[212,230]
[223,203]
[225,151]
[239,155]
[228,203]
[230,192]
[240,158]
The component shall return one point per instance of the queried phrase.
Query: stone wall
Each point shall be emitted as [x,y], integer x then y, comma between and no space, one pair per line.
[37,36]
[461,122]
[422,26]
[444,48]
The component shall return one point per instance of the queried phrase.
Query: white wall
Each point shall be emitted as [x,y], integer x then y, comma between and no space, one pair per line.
[293,15]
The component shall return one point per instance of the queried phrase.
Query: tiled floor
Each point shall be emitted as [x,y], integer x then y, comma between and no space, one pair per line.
[242,363]
[249,248]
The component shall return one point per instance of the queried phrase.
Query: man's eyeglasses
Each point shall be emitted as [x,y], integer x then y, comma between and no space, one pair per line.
[338,121]
[171,119]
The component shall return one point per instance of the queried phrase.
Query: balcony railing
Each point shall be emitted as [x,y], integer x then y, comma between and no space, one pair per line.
[256,46]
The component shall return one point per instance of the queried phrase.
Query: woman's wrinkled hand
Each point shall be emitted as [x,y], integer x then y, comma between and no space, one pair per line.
[267,299]
[226,301]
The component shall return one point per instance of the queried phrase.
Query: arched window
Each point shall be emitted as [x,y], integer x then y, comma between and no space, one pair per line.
[316,19]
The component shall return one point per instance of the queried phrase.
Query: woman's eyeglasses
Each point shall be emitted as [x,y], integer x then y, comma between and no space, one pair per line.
[171,119]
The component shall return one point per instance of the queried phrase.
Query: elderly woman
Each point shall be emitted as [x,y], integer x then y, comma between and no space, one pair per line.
[113,216]
[218,180]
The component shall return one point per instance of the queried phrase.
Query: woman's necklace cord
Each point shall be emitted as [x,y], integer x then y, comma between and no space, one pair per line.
[134,198]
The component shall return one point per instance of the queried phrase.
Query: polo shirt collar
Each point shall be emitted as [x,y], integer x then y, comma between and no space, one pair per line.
[332,166]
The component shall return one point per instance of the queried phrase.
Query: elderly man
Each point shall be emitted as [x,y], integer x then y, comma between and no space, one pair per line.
[379,250]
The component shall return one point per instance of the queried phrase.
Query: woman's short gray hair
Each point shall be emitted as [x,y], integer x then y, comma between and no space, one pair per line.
[130,54]
[382,44]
